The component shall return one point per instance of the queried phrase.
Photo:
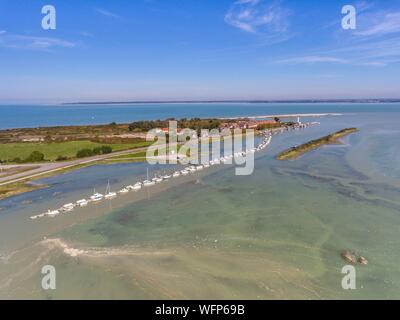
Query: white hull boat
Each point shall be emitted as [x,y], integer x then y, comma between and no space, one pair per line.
[96,197]
[82,203]
[148,183]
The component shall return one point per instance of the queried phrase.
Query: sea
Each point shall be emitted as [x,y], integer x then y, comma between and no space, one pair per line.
[275,234]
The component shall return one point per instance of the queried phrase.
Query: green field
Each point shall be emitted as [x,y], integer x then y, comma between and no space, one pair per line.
[9,151]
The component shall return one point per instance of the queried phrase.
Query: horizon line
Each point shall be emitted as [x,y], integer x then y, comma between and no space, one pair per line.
[363,100]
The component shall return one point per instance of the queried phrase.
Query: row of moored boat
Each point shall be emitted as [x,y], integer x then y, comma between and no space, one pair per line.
[97,197]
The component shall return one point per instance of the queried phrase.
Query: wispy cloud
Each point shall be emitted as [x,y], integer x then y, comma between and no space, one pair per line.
[379,24]
[364,5]
[107,13]
[3,31]
[372,53]
[259,17]
[377,53]
[312,60]
[31,42]
[375,42]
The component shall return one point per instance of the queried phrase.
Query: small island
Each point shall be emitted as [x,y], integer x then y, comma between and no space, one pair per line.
[295,152]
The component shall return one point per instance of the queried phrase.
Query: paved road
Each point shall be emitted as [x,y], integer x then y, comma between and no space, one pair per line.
[46,168]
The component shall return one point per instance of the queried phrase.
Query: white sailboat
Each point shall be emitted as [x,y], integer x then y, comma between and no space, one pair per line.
[157,179]
[147,182]
[96,196]
[52,213]
[82,202]
[137,186]
[176,174]
[109,194]
[124,191]
[67,207]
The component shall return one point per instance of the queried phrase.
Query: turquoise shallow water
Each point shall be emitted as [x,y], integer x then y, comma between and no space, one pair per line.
[276,234]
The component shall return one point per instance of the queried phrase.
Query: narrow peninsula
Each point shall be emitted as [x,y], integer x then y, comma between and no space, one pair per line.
[295,152]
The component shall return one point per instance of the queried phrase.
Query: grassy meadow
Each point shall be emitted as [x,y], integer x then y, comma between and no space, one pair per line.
[52,150]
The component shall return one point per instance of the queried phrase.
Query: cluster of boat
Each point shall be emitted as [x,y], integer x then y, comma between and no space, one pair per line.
[97,197]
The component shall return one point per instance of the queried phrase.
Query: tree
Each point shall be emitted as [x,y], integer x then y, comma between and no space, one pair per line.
[97,151]
[106,149]
[35,156]
[84,153]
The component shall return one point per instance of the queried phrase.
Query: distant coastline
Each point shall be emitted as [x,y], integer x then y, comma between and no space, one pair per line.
[383,100]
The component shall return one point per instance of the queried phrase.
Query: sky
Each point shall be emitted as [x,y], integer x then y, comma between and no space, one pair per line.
[198,50]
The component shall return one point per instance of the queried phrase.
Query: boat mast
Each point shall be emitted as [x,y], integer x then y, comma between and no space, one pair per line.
[108,187]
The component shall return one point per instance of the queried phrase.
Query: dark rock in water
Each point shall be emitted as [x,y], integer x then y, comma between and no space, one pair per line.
[349,257]
[362,260]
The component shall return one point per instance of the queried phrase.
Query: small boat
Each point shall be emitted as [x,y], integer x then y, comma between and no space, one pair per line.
[130,187]
[124,190]
[82,202]
[52,213]
[137,186]
[148,183]
[96,196]
[167,177]
[176,174]
[67,207]
[109,194]
[184,172]
[34,217]
[192,169]
[199,168]
[157,179]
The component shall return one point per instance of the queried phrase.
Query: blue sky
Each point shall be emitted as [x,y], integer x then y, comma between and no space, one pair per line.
[198,49]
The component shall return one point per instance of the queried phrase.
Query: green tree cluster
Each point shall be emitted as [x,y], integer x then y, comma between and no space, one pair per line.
[83,153]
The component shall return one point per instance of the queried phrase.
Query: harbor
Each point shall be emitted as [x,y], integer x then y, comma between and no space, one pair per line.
[157,179]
